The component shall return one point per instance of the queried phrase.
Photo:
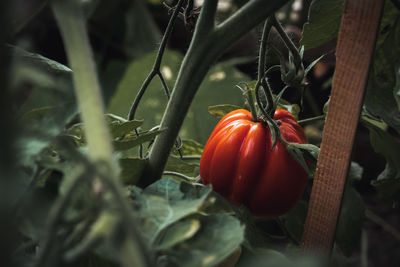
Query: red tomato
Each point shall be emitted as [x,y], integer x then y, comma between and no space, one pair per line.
[239,164]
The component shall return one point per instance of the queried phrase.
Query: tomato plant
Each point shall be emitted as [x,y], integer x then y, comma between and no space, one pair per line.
[240,163]
[99,169]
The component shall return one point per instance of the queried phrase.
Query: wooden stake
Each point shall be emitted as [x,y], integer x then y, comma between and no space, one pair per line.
[354,51]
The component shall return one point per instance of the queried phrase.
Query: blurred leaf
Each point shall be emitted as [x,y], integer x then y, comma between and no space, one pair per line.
[379,99]
[141,33]
[219,236]
[388,182]
[178,165]
[165,202]
[121,130]
[218,87]
[264,258]
[23,11]
[133,140]
[179,232]
[36,114]
[295,219]
[127,26]
[220,111]
[189,148]
[124,128]
[46,100]
[355,172]
[323,22]
[131,169]
[350,221]
[272,258]
[154,99]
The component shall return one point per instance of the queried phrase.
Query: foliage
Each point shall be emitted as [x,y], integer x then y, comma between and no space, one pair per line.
[323,22]
[68,210]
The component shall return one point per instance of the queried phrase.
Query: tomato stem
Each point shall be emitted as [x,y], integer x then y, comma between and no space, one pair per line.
[288,42]
[262,64]
[317,118]
[250,99]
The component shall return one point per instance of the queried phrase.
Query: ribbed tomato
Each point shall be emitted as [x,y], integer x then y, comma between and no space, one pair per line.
[239,164]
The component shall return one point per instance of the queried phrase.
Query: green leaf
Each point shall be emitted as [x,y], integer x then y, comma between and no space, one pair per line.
[141,34]
[44,88]
[300,152]
[220,111]
[128,25]
[176,164]
[312,64]
[219,236]
[154,99]
[298,156]
[292,108]
[133,140]
[350,221]
[189,148]
[166,202]
[295,219]
[323,22]
[355,172]
[179,232]
[36,115]
[379,99]
[125,128]
[121,130]
[388,182]
[131,169]
[266,258]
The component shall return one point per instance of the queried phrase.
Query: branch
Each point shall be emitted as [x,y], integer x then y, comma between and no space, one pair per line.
[313,119]
[288,42]
[157,63]
[202,53]
[206,21]
[261,68]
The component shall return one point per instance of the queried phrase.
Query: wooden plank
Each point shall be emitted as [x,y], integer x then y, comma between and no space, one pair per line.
[354,51]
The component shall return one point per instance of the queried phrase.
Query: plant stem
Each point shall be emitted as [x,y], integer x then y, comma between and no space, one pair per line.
[157,63]
[180,175]
[288,42]
[207,44]
[305,121]
[71,21]
[250,99]
[262,63]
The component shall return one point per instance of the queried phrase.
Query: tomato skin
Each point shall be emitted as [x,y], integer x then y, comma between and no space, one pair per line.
[239,164]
